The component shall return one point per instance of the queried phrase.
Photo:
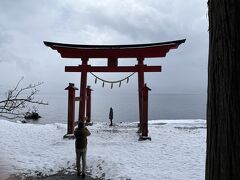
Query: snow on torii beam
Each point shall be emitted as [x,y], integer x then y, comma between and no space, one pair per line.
[114,51]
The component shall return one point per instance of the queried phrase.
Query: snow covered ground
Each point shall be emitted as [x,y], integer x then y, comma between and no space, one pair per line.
[176,152]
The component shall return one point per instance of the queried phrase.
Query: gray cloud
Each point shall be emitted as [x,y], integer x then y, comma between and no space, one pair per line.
[25,24]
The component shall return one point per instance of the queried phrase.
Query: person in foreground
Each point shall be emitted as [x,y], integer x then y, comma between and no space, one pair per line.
[81,133]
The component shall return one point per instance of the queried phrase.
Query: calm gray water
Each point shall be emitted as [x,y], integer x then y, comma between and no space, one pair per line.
[125,106]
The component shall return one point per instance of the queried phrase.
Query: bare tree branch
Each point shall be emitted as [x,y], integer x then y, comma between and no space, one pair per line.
[18,100]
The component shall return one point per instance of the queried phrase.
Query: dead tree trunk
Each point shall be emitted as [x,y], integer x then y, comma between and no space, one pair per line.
[223,106]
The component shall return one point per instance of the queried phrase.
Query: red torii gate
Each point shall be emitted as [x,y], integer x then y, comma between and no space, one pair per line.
[112,53]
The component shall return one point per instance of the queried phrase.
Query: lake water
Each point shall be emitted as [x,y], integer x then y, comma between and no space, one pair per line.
[125,107]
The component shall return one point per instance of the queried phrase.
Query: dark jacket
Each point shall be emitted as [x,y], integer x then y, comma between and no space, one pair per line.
[111,113]
[81,137]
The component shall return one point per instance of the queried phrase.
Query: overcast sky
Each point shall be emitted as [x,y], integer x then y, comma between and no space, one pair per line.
[25,24]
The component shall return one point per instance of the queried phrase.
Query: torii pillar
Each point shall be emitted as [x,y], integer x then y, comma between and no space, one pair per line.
[88,111]
[140,66]
[71,109]
[144,134]
[82,102]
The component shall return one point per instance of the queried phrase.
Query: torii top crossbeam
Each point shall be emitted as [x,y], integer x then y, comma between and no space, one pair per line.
[114,51]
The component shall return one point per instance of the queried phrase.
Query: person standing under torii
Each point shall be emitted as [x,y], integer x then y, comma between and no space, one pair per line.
[111,115]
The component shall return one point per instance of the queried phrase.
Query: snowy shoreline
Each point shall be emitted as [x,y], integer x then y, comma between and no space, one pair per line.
[177,150]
